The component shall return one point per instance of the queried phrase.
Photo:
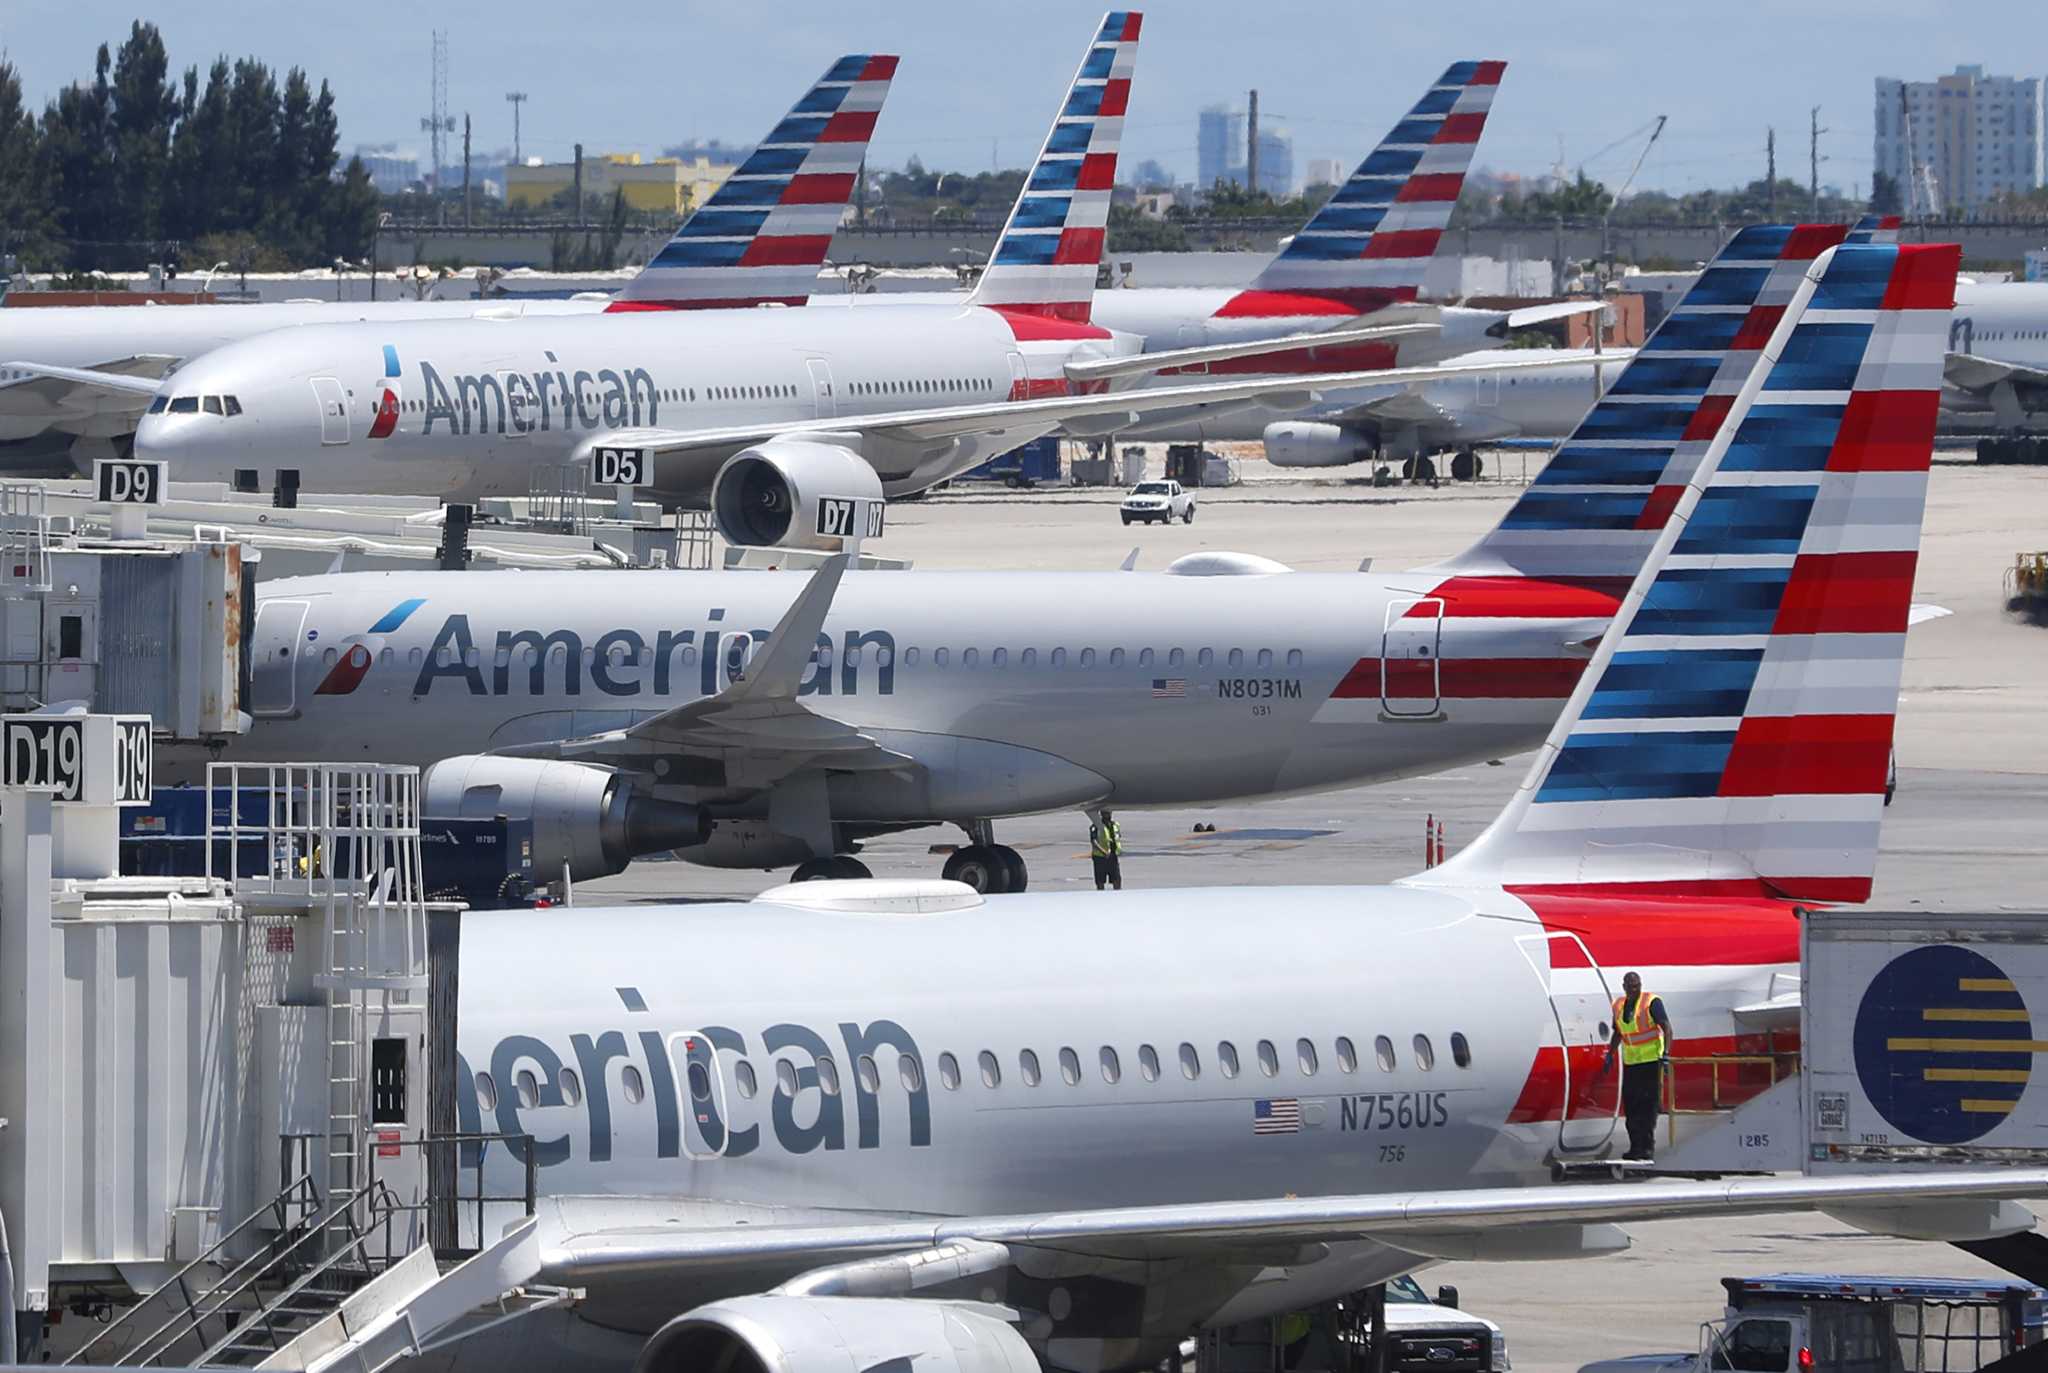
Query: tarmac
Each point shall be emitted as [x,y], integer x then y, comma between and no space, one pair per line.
[1965,832]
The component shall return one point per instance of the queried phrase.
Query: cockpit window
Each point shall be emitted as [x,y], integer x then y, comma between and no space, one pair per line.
[234,407]
[212,404]
[156,407]
[185,405]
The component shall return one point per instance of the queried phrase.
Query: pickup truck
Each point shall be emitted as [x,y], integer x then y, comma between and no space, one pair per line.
[1161,500]
[1841,1323]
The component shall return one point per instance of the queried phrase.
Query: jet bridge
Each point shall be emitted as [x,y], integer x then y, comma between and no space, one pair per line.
[217,1089]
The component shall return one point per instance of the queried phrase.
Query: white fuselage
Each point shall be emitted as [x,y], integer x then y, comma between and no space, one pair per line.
[480,404]
[2004,322]
[1015,692]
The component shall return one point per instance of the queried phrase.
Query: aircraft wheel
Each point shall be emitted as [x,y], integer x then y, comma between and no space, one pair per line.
[815,870]
[1418,470]
[980,868]
[1467,465]
[846,866]
[1016,877]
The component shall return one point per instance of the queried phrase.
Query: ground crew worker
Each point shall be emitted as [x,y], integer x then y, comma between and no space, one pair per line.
[1106,845]
[1642,1032]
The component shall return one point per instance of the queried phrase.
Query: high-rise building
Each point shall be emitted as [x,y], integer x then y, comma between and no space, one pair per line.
[1959,141]
[391,171]
[1325,171]
[1276,163]
[1219,146]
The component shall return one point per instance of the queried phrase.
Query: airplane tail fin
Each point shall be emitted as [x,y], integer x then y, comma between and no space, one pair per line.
[1590,517]
[1875,229]
[1732,732]
[1045,261]
[1370,244]
[762,236]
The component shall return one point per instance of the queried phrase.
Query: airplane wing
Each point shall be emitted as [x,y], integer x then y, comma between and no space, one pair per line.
[1969,372]
[756,729]
[911,449]
[670,1244]
[1542,314]
[1142,364]
[123,385]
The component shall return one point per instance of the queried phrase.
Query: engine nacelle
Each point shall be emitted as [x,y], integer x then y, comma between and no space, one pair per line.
[1301,443]
[771,1334]
[591,819]
[767,495]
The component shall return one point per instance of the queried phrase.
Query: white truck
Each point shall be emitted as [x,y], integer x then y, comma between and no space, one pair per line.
[1844,1323]
[1158,500]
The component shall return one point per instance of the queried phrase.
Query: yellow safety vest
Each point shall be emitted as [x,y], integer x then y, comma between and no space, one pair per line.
[1642,1039]
[1108,839]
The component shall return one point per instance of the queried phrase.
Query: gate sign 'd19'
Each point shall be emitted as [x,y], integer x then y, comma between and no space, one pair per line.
[46,753]
[95,759]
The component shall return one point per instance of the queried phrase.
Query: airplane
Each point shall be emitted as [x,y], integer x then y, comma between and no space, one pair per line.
[91,372]
[753,414]
[849,1126]
[1998,355]
[762,719]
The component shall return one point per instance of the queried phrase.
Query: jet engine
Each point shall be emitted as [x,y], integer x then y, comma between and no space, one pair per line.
[802,1334]
[1300,443]
[768,495]
[589,818]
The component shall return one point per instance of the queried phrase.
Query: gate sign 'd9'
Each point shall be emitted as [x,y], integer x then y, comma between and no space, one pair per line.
[839,517]
[122,482]
[618,467]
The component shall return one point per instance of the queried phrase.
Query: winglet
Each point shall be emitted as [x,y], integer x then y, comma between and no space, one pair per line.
[778,669]
[1732,732]
[1130,562]
[1046,258]
[764,233]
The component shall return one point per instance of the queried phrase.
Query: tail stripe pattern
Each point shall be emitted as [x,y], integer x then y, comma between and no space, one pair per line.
[762,236]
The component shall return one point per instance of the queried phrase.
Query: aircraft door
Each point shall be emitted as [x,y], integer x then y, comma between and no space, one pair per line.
[1486,392]
[1411,677]
[822,397]
[705,1130]
[274,657]
[1580,1002]
[333,403]
[1020,378]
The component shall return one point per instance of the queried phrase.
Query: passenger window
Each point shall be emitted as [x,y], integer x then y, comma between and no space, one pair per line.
[212,404]
[1425,1057]
[1059,657]
[744,1079]
[486,1093]
[999,657]
[910,1073]
[700,1081]
[1265,658]
[828,1075]
[1383,1050]
[1144,657]
[528,1087]
[1347,1056]
[938,657]
[633,1085]
[991,1071]
[1087,657]
[1027,1064]
[910,656]
[785,1077]
[1269,1058]
[1226,1058]
[969,657]
[869,1076]
[1116,657]
[1305,1057]
[1294,657]
[1112,1069]
[1237,657]
[1176,657]
[1190,1062]
[1029,657]
[1070,1067]
[1461,1050]
[1205,657]
[949,1072]
[1148,1063]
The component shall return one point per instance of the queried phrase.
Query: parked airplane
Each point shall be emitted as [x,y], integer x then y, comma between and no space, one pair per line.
[1998,355]
[91,372]
[752,414]
[859,1126]
[754,719]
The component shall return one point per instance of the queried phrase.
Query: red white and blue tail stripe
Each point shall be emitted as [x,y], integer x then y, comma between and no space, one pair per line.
[762,236]
[1045,262]
[1592,514]
[1369,246]
[1732,733]
[1875,229]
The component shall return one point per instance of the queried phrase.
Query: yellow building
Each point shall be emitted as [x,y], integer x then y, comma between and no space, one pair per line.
[662,185]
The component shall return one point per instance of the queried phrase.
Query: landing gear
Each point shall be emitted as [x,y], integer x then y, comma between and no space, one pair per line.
[839,868]
[988,868]
[1419,470]
[1466,465]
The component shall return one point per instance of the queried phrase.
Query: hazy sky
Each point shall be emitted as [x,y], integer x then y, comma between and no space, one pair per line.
[981,81]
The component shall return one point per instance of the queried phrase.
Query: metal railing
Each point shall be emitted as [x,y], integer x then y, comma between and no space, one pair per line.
[446,1207]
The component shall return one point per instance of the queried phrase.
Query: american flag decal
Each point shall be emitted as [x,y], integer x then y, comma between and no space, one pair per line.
[1169,688]
[1280,1116]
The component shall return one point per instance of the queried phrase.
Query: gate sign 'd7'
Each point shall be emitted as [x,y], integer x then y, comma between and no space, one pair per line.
[839,517]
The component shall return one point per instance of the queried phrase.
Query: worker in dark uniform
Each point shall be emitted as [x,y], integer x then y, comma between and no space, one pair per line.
[1642,1034]
[1106,846]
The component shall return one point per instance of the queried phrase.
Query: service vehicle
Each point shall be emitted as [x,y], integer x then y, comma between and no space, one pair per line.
[1162,500]
[1824,1322]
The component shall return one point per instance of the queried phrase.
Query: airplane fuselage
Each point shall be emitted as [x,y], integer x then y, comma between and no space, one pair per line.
[2002,322]
[1015,693]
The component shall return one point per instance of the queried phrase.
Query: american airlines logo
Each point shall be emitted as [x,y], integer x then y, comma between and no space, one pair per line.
[539,402]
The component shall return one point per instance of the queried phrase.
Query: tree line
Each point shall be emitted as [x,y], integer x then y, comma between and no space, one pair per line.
[134,167]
